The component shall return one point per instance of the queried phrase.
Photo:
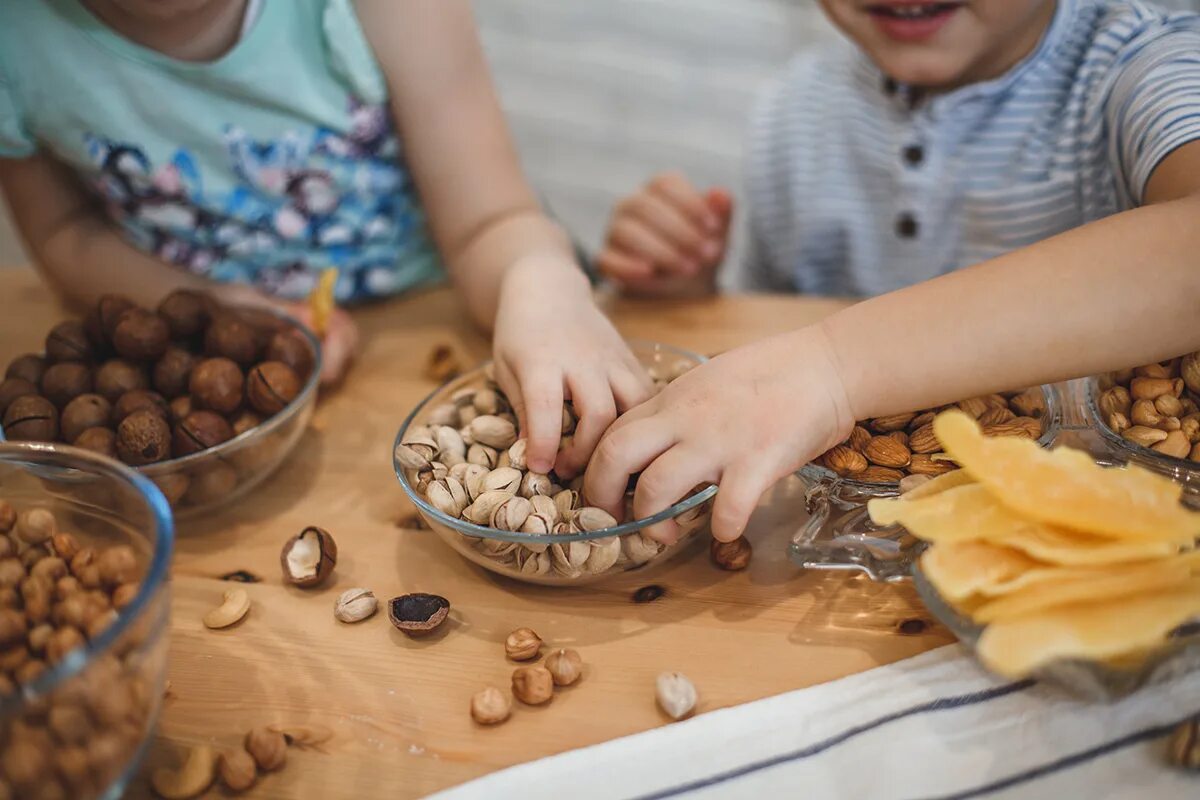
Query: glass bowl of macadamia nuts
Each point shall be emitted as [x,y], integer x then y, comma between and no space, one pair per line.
[1150,416]
[885,457]
[85,548]
[204,399]
[460,461]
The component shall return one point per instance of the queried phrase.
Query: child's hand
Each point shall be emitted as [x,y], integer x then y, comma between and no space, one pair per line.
[551,343]
[743,420]
[668,238]
[339,344]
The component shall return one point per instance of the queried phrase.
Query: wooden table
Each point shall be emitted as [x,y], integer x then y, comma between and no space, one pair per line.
[398,706]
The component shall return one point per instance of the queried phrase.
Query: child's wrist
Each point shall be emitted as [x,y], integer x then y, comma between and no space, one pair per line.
[819,366]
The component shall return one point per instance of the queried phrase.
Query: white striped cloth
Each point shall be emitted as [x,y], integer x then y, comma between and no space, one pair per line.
[934,726]
[857,187]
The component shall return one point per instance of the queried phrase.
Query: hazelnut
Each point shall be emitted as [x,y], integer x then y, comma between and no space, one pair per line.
[237,769]
[244,421]
[98,440]
[124,594]
[532,685]
[107,314]
[733,555]
[28,367]
[268,748]
[85,411]
[185,312]
[31,417]
[65,381]
[173,486]
[230,336]
[143,438]
[12,627]
[12,388]
[171,372]
[270,386]
[116,377]
[565,666]
[418,613]
[522,645]
[180,407]
[63,641]
[212,483]
[65,545]
[198,431]
[138,400]
[67,341]
[8,516]
[308,557]
[289,348]
[490,706]
[117,565]
[36,526]
[217,383]
[140,335]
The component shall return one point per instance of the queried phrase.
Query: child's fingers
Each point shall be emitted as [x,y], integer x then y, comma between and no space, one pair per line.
[720,202]
[542,391]
[742,485]
[659,213]
[618,266]
[666,481]
[639,239]
[626,449]
[593,401]
[679,191]
[629,388]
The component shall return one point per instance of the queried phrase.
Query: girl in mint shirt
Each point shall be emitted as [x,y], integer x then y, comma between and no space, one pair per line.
[242,146]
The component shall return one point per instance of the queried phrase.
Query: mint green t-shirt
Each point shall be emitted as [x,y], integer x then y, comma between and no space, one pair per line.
[273,162]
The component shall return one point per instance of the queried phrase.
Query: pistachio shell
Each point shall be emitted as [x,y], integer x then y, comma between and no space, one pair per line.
[545,506]
[591,518]
[537,524]
[638,548]
[505,479]
[480,511]
[534,483]
[444,414]
[412,457]
[511,514]
[567,501]
[516,454]
[449,440]
[604,555]
[482,454]
[494,431]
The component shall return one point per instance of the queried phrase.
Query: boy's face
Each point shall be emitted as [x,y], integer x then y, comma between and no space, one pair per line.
[942,45]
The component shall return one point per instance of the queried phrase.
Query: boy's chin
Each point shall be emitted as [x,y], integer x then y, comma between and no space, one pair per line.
[928,72]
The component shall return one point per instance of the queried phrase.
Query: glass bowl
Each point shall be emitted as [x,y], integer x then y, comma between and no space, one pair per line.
[839,534]
[80,728]
[562,559]
[1090,680]
[211,479]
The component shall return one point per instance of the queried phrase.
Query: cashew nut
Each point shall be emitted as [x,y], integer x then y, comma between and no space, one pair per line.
[303,736]
[236,604]
[191,779]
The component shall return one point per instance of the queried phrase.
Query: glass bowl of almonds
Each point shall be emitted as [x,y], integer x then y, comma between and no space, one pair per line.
[886,456]
[460,462]
[1150,416]
[85,546]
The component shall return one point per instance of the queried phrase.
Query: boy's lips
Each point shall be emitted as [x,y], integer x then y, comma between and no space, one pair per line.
[909,21]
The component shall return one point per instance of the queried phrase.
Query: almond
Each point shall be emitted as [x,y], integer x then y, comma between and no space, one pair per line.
[844,460]
[859,438]
[899,436]
[892,422]
[994,400]
[1150,388]
[887,452]
[1175,445]
[1029,403]
[997,416]
[921,420]
[924,464]
[874,474]
[1009,429]
[923,440]
[975,406]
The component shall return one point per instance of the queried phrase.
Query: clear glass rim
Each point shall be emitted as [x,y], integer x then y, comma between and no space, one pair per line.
[170,466]
[43,454]
[482,532]
[813,472]
[1120,443]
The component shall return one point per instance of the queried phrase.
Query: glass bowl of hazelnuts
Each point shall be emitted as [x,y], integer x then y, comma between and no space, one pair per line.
[204,399]
[85,549]
[458,458]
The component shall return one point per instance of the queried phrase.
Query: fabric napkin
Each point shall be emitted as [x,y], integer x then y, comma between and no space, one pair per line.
[933,726]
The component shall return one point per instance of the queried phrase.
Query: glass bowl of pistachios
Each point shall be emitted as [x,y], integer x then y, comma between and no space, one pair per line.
[459,459]
[85,550]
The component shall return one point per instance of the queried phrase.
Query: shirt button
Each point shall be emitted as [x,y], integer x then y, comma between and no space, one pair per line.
[914,154]
[906,226]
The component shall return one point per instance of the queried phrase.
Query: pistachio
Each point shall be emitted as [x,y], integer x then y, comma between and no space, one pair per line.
[493,431]
[591,518]
[604,555]
[638,548]
[268,748]
[448,496]
[532,685]
[516,454]
[676,694]
[490,706]
[537,524]
[545,506]
[533,562]
[1183,748]
[483,455]
[523,644]
[236,602]
[308,557]
[504,479]
[445,414]
[480,511]
[355,605]
[567,501]
[565,666]
[511,514]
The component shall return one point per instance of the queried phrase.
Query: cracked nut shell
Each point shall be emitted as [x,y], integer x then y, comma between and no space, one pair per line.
[12,388]
[198,431]
[270,386]
[308,557]
[216,384]
[28,367]
[418,613]
[143,438]
[31,417]
[67,341]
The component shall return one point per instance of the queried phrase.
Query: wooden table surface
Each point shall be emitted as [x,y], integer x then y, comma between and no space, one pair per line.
[398,706]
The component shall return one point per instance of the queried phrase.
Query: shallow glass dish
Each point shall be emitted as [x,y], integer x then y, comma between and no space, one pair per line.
[839,534]
[1091,680]
[111,687]
[561,559]
[211,479]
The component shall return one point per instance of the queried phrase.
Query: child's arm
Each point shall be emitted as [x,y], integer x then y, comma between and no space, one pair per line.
[1112,294]
[514,267]
[80,253]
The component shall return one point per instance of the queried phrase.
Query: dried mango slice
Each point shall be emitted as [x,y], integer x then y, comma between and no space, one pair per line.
[321,300]
[1057,587]
[1102,631]
[1065,487]
[939,484]
[969,512]
[962,570]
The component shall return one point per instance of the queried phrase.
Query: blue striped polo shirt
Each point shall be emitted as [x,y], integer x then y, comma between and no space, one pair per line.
[857,187]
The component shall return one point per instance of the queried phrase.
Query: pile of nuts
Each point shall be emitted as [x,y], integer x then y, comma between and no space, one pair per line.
[147,386]
[1156,406]
[56,595]
[263,749]
[532,684]
[469,464]
[886,449]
